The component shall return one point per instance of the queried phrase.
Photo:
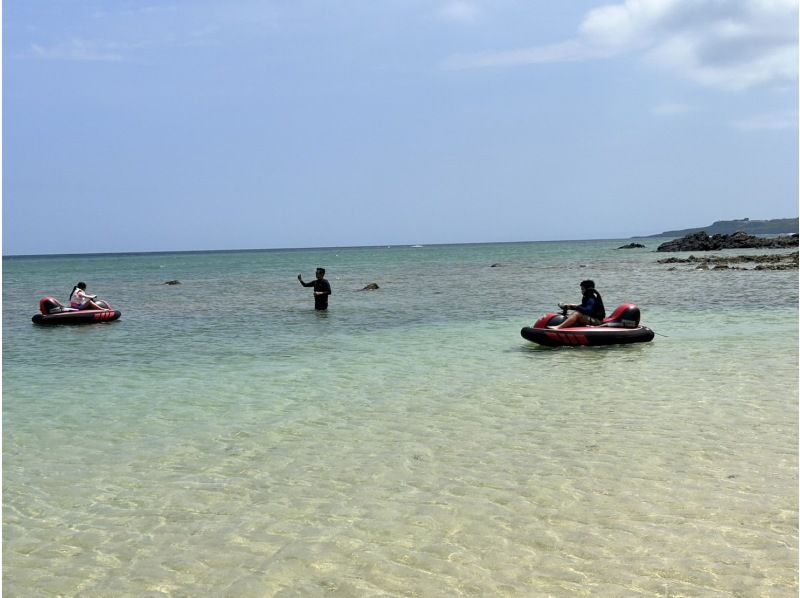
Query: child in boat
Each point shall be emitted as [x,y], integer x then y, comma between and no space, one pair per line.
[80,299]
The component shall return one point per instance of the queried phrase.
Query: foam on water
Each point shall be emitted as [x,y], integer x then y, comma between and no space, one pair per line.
[224,439]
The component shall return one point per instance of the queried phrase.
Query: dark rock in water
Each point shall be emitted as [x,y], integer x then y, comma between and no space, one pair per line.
[495,265]
[784,266]
[771,261]
[173,282]
[702,242]
[371,287]
[632,246]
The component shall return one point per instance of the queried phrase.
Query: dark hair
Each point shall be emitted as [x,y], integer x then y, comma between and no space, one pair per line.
[80,285]
[321,270]
[587,284]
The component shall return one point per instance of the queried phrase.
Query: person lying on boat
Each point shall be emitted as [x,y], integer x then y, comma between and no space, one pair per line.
[80,299]
[590,312]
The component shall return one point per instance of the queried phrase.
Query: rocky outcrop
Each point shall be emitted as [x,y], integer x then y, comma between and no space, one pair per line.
[773,261]
[702,242]
[371,287]
[632,246]
[171,282]
[777,226]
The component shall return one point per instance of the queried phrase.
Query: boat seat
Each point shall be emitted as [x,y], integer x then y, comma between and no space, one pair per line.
[626,315]
[51,305]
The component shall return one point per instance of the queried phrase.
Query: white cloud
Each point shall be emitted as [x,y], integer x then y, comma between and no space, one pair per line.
[461,11]
[78,50]
[119,33]
[768,122]
[733,44]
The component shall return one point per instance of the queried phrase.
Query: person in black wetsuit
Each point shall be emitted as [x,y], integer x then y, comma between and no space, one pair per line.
[590,312]
[322,289]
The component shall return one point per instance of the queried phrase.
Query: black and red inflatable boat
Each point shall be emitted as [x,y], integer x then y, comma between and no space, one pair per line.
[53,312]
[621,327]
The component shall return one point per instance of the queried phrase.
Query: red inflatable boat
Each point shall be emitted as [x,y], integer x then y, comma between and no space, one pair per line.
[621,327]
[53,312]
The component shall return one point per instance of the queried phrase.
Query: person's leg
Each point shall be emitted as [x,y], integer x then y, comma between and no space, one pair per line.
[570,321]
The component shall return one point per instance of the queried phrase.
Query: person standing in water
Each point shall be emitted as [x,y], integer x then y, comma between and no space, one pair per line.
[322,289]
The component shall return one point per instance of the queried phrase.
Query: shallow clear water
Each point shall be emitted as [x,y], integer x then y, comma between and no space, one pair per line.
[223,438]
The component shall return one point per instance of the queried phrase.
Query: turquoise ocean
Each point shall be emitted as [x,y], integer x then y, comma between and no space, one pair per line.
[224,439]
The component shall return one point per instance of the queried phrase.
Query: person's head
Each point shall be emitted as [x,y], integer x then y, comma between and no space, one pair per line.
[320,272]
[587,286]
[81,286]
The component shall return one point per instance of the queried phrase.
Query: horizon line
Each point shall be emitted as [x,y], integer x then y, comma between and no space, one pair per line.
[323,247]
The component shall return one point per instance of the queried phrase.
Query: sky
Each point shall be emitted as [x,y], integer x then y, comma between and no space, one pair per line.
[201,125]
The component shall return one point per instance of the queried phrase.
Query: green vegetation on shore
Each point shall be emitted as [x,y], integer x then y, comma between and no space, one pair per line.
[776,226]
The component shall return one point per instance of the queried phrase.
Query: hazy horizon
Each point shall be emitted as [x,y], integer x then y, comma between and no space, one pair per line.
[321,247]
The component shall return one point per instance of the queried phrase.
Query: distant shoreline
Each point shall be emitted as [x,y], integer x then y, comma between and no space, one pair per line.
[776,226]
[764,227]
